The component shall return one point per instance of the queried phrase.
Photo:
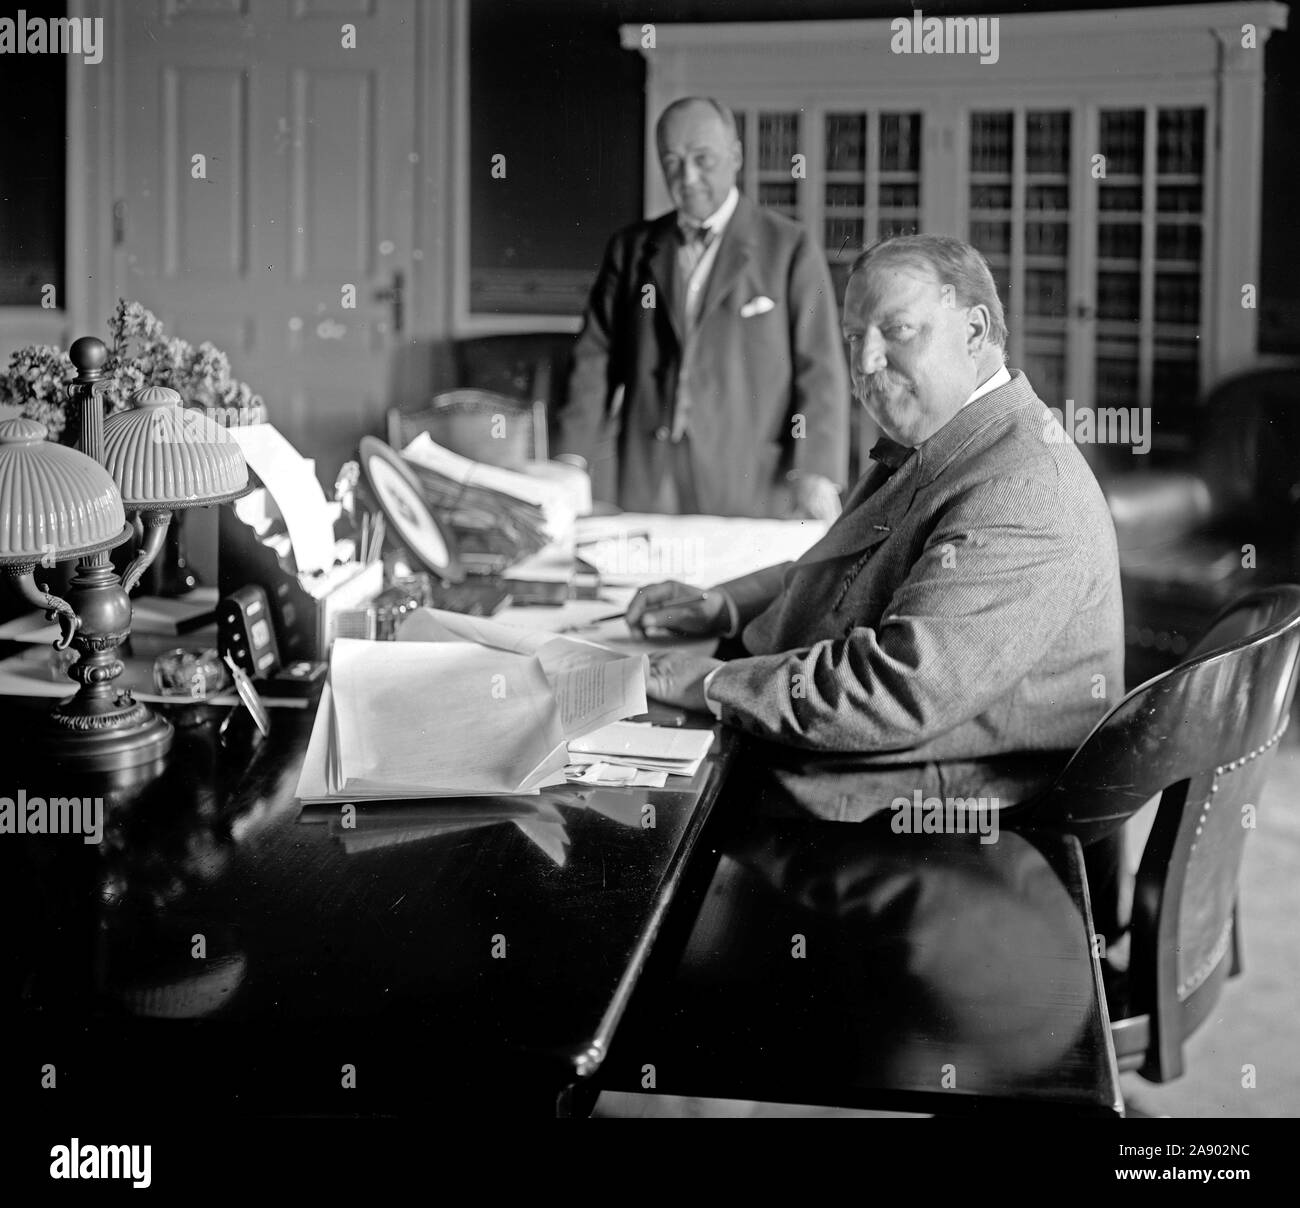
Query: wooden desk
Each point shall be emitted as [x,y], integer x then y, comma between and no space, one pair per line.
[847,965]
[444,970]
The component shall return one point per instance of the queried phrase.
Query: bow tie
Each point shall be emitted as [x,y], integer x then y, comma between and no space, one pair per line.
[889,453]
[701,235]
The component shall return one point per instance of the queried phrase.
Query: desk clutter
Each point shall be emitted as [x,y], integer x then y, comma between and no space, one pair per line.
[462,706]
[379,604]
[431,527]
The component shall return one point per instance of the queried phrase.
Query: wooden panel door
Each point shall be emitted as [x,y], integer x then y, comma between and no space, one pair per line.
[268,195]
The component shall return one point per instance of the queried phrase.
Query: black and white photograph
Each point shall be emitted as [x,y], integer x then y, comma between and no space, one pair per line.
[648,559]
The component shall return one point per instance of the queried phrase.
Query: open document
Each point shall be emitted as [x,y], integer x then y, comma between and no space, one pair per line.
[452,710]
[444,719]
[593,686]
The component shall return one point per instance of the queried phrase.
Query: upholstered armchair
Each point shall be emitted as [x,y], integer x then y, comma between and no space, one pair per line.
[1194,537]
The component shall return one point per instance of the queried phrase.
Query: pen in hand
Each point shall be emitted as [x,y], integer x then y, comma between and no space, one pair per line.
[682,602]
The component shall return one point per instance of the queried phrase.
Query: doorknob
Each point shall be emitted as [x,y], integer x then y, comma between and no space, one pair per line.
[395,296]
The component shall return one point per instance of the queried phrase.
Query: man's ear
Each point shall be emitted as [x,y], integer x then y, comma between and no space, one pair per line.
[978,324]
[738,154]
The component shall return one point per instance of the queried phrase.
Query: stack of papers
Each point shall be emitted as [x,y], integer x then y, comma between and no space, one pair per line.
[633,753]
[492,510]
[456,708]
[609,752]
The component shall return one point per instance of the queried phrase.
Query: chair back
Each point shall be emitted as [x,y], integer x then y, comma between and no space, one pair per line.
[532,366]
[1249,435]
[1200,736]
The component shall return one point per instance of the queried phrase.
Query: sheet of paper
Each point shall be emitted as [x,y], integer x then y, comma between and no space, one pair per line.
[630,740]
[450,715]
[682,767]
[292,484]
[650,748]
[637,548]
[579,617]
[593,686]
[320,781]
[592,697]
[620,775]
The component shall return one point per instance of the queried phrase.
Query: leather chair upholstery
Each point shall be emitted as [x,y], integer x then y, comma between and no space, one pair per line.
[1189,533]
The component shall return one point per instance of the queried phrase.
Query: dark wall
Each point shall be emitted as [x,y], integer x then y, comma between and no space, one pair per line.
[32,174]
[552,90]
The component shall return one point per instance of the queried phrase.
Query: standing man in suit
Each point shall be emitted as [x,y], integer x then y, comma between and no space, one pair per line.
[958,631]
[710,352]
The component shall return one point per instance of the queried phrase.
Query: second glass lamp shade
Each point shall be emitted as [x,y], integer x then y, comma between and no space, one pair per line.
[164,456]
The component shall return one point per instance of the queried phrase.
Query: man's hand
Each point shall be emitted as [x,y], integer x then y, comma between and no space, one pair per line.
[677,678]
[814,496]
[694,612]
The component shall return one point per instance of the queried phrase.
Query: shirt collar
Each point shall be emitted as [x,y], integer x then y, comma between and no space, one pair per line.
[717,221]
[936,452]
[1001,378]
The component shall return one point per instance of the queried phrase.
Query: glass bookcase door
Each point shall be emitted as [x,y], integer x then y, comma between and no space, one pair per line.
[1021,216]
[771,140]
[870,182]
[1151,264]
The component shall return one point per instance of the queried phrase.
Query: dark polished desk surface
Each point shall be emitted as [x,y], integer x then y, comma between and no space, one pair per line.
[845,964]
[219,952]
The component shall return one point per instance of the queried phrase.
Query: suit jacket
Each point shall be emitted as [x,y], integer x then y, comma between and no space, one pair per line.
[750,374]
[957,632]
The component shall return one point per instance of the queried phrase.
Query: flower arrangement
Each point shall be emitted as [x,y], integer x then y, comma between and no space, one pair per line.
[140,354]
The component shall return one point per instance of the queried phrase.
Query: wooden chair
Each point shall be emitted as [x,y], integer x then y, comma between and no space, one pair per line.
[1199,736]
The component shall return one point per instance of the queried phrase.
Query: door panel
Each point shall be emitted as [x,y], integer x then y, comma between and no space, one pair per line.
[276,243]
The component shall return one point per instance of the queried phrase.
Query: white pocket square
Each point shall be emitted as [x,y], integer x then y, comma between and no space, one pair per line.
[756,306]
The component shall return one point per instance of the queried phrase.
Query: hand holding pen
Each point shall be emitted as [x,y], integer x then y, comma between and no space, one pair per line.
[679,608]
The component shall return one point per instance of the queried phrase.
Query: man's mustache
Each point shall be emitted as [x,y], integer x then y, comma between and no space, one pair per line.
[875,383]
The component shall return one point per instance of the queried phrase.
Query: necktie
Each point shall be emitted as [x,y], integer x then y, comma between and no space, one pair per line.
[889,453]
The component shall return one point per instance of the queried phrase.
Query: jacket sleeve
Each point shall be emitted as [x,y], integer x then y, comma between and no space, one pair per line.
[596,371]
[820,371]
[995,585]
[752,593]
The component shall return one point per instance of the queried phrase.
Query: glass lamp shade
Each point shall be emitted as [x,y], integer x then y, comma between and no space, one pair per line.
[164,456]
[55,503]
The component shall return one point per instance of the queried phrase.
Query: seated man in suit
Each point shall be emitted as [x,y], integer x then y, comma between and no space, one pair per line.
[958,630]
[710,354]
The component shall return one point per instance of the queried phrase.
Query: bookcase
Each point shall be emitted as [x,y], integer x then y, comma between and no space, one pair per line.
[1107,165]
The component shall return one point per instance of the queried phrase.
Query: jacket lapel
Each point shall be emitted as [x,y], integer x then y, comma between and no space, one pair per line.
[734,254]
[872,513]
[659,267]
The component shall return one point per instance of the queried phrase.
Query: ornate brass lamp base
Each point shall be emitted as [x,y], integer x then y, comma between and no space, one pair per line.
[103,727]
[130,736]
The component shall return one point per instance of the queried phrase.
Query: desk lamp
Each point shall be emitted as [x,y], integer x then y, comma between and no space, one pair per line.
[59,504]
